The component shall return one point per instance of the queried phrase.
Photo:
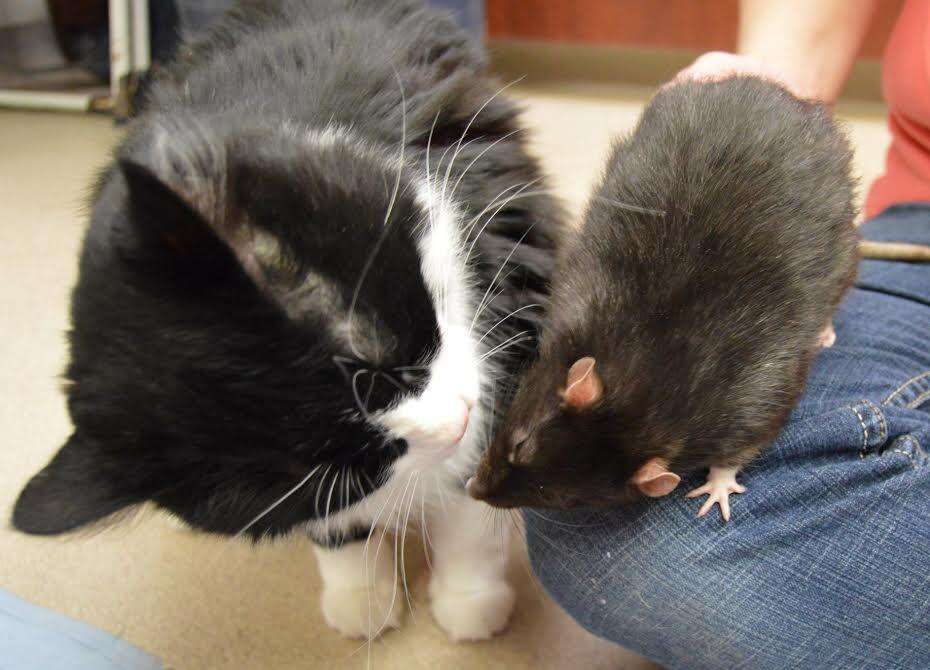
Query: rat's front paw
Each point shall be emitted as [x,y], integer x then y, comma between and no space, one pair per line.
[362,612]
[827,337]
[472,611]
[721,482]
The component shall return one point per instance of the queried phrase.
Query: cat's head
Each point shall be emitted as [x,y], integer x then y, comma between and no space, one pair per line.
[576,436]
[257,311]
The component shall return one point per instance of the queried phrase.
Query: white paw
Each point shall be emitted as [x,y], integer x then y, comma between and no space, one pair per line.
[362,612]
[721,482]
[472,611]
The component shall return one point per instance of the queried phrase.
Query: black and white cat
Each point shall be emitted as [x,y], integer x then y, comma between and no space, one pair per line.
[316,259]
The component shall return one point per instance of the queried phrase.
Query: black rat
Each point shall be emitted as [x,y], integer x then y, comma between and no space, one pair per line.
[686,312]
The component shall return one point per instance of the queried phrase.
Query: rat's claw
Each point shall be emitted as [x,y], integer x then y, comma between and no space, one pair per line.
[721,482]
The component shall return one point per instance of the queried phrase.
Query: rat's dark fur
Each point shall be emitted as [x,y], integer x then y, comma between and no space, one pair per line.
[206,373]
[715,249]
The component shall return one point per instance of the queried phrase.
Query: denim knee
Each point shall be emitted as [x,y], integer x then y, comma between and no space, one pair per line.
[699,593]
[667,598]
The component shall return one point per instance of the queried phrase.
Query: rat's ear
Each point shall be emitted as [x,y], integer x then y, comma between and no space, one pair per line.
[583,387]
[653,478]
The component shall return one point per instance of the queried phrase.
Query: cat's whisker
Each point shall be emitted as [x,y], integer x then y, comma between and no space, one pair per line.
[371,571]
[442,159]
[516,196]
[565,524]
[362,407]
[442,495]
[513,313]
[400,387]
[510,341]
[630,207]
[319,490]
[329,498]
[277,502]
[397,511]
[366,268]
[429,143]
[500,281]
[468,127]
[498,274]
[487,223]
[403,544]
[424,530]
[471,223]
[480,155]
[494,296]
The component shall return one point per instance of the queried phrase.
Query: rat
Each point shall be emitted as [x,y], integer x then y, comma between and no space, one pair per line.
[686,311]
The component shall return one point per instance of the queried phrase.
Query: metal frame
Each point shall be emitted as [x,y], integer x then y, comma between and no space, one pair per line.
[130,58]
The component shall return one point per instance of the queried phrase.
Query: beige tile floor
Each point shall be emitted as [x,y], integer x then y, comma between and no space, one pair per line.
[195,601]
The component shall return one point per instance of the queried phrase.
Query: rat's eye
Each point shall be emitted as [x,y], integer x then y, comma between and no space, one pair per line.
[519,447]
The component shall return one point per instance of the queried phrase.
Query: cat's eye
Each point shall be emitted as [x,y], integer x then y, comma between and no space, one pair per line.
[412,377]
[349,366]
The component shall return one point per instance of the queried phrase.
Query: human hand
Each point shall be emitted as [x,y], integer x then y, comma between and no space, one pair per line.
[717,65]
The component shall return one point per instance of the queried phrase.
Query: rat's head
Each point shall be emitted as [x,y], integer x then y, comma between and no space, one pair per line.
[573,438]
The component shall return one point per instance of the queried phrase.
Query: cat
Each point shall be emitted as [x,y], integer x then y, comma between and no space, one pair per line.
[319,255]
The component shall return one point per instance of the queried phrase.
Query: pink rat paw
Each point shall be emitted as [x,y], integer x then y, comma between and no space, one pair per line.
[826,337]
[721,482]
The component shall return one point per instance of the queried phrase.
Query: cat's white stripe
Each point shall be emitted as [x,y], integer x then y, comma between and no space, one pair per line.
[429,421]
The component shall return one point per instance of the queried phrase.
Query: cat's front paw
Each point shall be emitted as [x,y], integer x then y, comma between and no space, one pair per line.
[362,612]
[473,611]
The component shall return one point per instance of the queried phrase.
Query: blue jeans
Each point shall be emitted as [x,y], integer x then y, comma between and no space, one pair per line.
[826,561]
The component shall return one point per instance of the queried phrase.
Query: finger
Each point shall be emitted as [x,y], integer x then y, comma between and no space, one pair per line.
[708,506]
[725,508]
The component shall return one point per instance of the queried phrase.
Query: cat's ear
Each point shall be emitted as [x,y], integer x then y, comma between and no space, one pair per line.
[68,493]
[166,215]
[177,182]
[583,386]
[654,479]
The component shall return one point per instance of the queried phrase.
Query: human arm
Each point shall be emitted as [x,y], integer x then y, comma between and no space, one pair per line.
[808,46]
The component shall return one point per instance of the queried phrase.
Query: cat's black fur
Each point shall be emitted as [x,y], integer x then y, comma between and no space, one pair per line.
[204,375]
[713,252]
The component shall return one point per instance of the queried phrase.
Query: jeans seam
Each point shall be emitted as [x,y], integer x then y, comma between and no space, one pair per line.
[918,401]
[865,432]
[872,423]
[915,449]
[905,386]
[882,425]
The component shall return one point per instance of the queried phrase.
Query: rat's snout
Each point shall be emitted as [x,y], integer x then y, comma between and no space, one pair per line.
[476,488]
[489,483]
